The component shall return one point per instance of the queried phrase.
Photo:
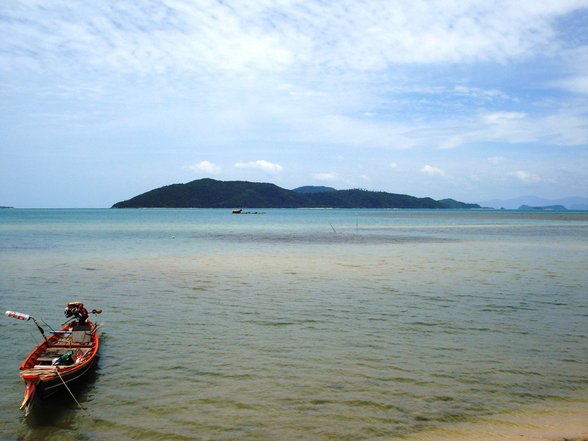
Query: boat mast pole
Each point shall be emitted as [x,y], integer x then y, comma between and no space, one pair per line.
[41,330]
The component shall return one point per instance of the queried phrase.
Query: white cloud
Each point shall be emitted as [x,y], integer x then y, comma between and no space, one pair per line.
[525,176]
[270,36]
[564,127]
[205,166]
[326,176]
[578,84]
[480,94]
[455,140]
[575,79]
[502,117]
[176,78]
[496,160]
[261,164]
[345,130]
[393,166]
[432,171]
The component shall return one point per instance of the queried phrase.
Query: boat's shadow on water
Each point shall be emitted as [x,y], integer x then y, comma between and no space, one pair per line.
[59,411]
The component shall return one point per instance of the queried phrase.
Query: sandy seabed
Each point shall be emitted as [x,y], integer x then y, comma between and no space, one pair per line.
[567,421]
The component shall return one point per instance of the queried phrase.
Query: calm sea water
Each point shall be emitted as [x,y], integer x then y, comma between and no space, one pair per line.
[298,324]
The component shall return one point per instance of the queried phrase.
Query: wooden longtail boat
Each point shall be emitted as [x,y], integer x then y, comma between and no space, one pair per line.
[61,358]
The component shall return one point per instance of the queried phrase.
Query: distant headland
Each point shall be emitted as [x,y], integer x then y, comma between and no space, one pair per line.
[210,193]
[545,208]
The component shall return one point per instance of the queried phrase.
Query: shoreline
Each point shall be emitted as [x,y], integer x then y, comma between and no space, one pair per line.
[548,421]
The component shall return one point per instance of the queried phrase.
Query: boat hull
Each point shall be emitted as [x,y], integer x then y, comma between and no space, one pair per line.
[63,358]
[48,387]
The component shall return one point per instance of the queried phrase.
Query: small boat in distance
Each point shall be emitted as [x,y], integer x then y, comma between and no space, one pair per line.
[61,358]
[240,211]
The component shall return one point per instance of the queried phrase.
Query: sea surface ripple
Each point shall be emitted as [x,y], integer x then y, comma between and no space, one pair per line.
[298,324]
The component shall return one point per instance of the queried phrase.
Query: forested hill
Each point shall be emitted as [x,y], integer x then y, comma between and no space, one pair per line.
[209,193]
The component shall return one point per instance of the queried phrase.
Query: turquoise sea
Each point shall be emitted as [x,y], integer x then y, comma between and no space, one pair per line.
[302,324]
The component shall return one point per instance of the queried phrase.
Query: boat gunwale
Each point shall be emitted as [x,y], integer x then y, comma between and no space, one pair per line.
[29,365]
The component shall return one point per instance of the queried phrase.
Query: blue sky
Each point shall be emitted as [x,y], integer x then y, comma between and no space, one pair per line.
[473,100]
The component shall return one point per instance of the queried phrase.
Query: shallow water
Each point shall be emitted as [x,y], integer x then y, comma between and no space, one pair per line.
[298,324]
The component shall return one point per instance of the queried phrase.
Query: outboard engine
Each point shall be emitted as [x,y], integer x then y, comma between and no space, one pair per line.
[77,310]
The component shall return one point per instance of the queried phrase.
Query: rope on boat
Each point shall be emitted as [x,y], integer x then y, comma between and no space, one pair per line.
[72,395]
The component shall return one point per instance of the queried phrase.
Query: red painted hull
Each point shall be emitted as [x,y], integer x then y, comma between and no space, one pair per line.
[64,358]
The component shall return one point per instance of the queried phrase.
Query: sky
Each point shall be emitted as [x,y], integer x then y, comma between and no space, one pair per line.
[471,100]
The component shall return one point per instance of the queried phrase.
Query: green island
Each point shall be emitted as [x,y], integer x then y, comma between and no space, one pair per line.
[211,193]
